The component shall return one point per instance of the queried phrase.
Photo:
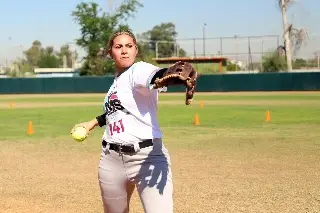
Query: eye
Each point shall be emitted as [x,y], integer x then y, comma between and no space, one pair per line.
[129,45]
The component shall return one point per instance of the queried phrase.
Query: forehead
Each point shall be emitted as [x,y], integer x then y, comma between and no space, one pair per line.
[123,38]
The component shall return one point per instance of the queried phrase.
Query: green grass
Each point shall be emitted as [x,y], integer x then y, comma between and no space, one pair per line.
[163,96]
[56,122]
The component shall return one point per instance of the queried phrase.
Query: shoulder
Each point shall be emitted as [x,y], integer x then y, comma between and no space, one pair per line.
[143,66]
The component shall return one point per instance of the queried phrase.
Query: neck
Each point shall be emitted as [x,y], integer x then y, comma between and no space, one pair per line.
[119,71]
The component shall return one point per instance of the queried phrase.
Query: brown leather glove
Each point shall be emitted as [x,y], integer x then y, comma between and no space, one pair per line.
[181,73]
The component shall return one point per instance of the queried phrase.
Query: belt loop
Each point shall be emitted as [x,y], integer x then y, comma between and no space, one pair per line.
[120,150]
[106,147]
[136,147]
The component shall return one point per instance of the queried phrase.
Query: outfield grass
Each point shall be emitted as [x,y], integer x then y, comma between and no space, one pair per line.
[233,162]
[163,97]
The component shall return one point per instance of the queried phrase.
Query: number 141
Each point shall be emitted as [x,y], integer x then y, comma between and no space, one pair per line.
[117,127]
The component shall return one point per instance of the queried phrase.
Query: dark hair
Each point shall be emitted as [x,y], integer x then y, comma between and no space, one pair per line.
[121,32]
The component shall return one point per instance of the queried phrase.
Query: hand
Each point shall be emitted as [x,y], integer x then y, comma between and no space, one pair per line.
[89,125]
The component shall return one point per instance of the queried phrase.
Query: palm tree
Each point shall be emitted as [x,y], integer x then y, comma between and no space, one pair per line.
[283,4]
[293,38]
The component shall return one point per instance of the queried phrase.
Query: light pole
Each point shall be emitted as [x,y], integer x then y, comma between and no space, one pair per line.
[261,55]
[204,38]
[236,38]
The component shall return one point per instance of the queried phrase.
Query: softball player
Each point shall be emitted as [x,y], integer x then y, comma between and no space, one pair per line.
[133,153]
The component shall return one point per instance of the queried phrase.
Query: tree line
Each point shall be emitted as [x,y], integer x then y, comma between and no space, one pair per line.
[39,56]
[96,27]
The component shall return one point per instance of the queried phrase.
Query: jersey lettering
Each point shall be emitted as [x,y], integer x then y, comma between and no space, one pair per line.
[116,127]
[113,104]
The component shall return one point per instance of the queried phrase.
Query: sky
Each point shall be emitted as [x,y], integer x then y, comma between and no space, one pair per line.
[51,22]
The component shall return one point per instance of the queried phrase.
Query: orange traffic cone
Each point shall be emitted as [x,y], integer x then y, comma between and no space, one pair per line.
[30,130]
[196,120]
[201,104]
[268,117]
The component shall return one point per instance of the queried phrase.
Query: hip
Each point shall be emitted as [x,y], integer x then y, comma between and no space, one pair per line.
[150,150]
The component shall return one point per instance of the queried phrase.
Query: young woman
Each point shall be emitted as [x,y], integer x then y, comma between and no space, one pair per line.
[133,153]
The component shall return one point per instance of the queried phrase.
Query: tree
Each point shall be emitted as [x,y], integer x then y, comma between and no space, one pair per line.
[42,57]
[284,5]
[49,58]
[293,37]
[67,57]
[33,54]
[232,66]
[273,62]
[299,62]
[163,40]
[96,27]
[297,37]
[38,56]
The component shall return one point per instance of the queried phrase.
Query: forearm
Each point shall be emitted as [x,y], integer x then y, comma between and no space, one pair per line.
[100,120]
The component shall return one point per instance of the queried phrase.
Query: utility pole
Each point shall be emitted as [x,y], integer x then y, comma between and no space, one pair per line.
[236,39]
[204,38]
[318,58]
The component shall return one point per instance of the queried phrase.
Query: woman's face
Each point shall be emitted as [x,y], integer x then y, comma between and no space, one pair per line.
[123,51]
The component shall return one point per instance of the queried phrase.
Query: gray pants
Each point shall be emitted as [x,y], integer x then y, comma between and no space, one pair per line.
[149,170]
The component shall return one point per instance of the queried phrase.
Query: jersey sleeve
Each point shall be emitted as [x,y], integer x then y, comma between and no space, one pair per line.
[142,74]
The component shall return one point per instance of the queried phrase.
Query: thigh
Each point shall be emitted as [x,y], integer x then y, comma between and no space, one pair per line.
[114,186]
[150,169]
[155,187]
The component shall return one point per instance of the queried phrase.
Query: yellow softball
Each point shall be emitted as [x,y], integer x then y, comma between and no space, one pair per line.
[79,133]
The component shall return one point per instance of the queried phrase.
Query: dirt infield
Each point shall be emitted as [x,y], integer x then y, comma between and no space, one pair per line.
[276,178]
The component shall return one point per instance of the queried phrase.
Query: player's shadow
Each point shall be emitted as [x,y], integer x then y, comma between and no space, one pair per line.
[155,169]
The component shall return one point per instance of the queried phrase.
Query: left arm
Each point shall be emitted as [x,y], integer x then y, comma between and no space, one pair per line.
[145,74]
[147,77]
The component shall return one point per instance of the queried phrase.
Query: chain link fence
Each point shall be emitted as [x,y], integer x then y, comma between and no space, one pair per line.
[244,50]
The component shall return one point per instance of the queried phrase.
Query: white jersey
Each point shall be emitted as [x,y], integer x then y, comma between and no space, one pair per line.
[131,106]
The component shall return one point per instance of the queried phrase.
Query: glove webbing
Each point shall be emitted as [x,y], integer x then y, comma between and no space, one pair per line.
[158,81]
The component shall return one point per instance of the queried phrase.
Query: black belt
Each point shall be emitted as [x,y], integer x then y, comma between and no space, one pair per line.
[127,148]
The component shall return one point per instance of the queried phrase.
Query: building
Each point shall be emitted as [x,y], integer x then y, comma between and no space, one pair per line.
[55,72]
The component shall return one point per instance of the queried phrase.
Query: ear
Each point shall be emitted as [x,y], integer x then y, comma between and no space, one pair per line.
[109,52]
[137,50]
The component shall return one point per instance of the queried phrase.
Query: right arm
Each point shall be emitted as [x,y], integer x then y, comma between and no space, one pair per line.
[98,121]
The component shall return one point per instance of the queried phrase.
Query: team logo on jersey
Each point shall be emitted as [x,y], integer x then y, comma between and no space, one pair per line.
[113,103]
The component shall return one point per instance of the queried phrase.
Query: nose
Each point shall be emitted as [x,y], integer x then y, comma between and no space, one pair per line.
[124,50]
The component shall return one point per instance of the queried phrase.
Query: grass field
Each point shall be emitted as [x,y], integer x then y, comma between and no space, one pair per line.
[233,162]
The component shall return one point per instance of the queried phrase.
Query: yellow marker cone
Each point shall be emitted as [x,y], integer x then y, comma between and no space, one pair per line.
[201,104]
[268,116]
[196,120]
[30,130]
[11,105]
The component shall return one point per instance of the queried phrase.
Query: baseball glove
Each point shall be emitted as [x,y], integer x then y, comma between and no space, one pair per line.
[181,73]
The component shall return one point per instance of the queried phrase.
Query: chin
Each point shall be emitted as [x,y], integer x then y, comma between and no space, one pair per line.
[127,64]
